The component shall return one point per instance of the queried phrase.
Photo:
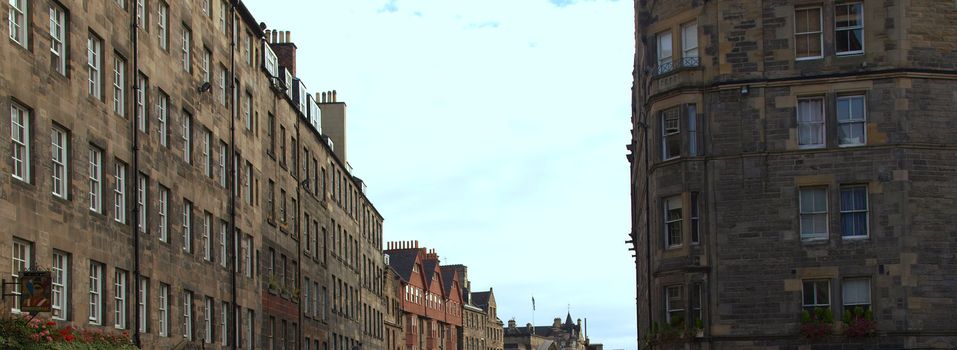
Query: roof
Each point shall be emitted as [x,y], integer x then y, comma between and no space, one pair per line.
[402,261]
[429,269]
[447,275]
[480,299]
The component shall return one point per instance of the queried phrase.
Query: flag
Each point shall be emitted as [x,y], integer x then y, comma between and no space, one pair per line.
[533,303]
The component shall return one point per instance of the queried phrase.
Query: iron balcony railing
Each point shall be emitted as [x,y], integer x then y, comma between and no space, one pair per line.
[685,62]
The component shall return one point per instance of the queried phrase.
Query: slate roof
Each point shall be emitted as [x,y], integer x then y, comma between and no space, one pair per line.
[429,266]
[402,261]
[480,299]
[447,275]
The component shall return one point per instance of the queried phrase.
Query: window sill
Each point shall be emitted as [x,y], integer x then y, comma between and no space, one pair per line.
[814,240]
[811,147]
[852,145]
[849,53]
[855,238]
[798,59]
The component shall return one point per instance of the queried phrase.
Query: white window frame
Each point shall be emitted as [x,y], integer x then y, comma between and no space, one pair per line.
[96,179]
[224,315]
[119,85]
[809,125]
[94,64]
[207,56]
[187,131]
[60,149]
[163,24]
[144,301]
[142,193]
[187,35]
[141,14]
[58,27]
[163,214]
[865,211]
[206,7]
[164,310]
[859,27]
[222,163]
[187,226]
[207,320]
[207,231]
[664,42]
[248,183]
[689,35]
[814,235]
[20,137]
[669,298]
[18,18]
[162,116]
[247,48]
[207,153]
[142,88]
[223,254]
[247,110]
[816,303]
[222,85]
[819,32]
[862,121]
[21,259]
[247,256]
[119,299]
[666,116]
[60,271]
[187,315]
[119,193]
[250,316]
[849,305]
[223,9]
[96,293]
[668,239]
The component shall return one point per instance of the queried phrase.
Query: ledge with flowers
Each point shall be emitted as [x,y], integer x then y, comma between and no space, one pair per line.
[39,333]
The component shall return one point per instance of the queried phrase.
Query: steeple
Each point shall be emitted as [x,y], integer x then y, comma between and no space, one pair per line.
[568,319]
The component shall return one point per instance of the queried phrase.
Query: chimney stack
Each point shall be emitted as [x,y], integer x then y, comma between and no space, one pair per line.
[511,324]
[333,122]
[281,43]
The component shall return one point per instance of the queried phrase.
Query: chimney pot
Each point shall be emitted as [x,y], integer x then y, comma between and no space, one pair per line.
[288,36]
[333,95]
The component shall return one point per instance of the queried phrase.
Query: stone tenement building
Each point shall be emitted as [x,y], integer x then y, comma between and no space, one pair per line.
[557,336]
[792,155]
[481,328]
[174,174]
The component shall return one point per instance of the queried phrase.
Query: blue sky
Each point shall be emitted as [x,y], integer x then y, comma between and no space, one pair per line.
[493,131]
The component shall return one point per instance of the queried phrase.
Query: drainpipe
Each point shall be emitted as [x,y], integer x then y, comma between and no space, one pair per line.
[299,182]
[231,163]
[132,185]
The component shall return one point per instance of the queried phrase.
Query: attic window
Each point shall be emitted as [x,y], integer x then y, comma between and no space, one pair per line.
[270,60]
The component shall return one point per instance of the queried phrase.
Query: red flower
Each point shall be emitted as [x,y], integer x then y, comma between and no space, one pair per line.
[51,323]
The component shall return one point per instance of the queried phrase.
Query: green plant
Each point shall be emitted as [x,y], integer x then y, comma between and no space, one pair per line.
[859,322]
[273,282]
[815,324]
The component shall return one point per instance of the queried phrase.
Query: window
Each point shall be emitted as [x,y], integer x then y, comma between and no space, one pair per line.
[205,67]
[141,202]
[856,293]
[247,183]
[59,145]
[247,110]
[247,48]
[813,203]
[674,306]
[816,295]
[121,4]
[119,192]
[851,116]
[222,243]
[20,136]
[271,133]
[144,293]
[854,211]
[119,85]
[665,64]
[187,137]
[248,256]
[849,28]
[808,33]
[187,315]
[222,85]
[162,115]
[94,62]
[207,153]
[207,320]
[692,111]
[22,259]
[672,219]
[695,235]
[96,179]
[96,292]
[207,231]
[187,226]
[142,19]
[282,205]
[61,293]
[670,133]
[810,116]
[271,200]
[187,34]
[282,146]
[696,302]
[18,21]
[141,91]
[689,44]
[222,26]
[119,299]
[58,38]
[164,214]
[163,23]
[164,310]
[207,12]
[222,164]
[224,314]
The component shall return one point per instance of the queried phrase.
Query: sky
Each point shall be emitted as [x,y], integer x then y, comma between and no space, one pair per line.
[493,131]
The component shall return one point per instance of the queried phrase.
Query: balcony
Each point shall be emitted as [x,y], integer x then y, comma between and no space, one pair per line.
[679,73]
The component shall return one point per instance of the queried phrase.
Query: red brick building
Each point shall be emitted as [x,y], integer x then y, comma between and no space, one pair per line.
[431,297]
